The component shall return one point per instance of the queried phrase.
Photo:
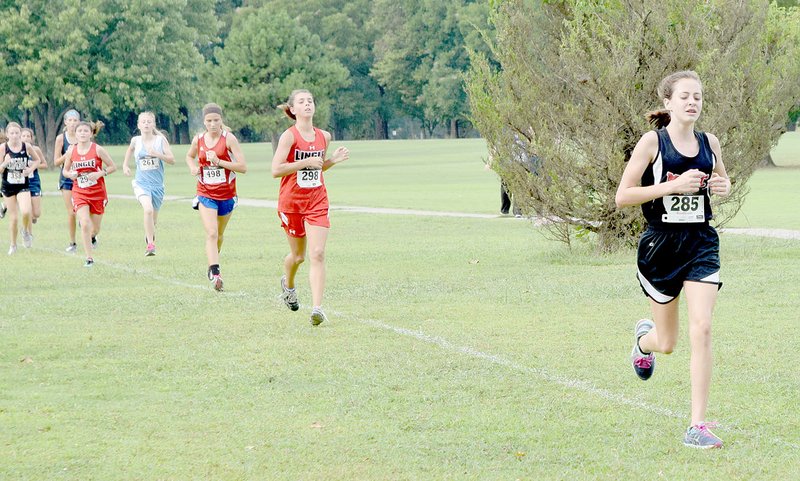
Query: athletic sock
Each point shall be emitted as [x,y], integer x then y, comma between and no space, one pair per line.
[640,347]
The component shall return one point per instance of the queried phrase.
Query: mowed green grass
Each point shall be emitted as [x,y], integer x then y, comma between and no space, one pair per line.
[432,175]
[456,348]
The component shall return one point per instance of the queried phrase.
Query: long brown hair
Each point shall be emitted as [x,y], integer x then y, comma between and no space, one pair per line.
[287,106]
[660,118]
[212,108]
[95,127]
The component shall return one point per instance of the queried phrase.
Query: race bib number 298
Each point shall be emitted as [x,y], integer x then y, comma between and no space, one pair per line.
[308,178]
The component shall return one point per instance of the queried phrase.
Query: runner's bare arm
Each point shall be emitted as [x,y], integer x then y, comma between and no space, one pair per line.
[282,168]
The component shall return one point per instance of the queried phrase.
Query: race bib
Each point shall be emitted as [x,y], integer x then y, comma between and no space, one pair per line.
[15,177]
[683,209]
[213,175]
[149,163]
[84,182]
[308,178]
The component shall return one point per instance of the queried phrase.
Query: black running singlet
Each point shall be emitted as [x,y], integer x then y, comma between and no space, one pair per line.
[677,209]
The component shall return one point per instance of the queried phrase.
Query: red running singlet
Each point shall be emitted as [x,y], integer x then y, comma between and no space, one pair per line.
[216,183]
[83,188]
[304,191]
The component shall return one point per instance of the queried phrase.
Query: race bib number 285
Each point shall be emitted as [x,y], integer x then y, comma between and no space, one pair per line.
[684,209]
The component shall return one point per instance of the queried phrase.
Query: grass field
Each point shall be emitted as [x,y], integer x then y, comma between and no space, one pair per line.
[457,348]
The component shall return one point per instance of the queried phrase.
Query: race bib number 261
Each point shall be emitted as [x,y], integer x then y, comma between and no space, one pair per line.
[149,163]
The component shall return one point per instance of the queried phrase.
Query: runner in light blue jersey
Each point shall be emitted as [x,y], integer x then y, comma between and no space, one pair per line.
[149,150]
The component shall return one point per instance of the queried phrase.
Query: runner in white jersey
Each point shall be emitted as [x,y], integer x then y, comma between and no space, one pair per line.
[149,150]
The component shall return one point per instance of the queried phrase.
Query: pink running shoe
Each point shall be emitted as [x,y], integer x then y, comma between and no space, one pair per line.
[643,364]
[700,436]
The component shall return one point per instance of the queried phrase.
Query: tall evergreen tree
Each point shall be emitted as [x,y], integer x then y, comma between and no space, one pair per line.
[267,55]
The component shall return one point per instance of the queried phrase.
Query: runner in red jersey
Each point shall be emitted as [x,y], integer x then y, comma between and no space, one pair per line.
[303,201]
[87,164]
[219,159]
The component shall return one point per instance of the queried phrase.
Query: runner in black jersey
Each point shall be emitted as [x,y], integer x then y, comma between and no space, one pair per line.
[18,160]
[672,174]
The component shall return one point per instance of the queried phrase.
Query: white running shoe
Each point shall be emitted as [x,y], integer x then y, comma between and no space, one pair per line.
[318,316]
[12,250]
[27,239]
[72,248]
[216,281]
[289,296]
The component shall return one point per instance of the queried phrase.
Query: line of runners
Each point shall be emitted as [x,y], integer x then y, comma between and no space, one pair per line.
[672,172]
[214,157]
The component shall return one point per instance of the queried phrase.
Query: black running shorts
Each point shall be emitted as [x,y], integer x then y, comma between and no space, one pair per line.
[668,256]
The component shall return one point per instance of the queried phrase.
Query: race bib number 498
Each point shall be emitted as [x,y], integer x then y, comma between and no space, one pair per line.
[308,178]
[213,175]
[684,209]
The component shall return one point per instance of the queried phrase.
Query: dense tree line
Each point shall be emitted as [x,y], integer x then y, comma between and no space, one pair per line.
[380,68]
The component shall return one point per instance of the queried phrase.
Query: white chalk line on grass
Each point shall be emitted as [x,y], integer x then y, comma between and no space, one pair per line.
[543,374]
[140,272]
[577,384]
[421,336]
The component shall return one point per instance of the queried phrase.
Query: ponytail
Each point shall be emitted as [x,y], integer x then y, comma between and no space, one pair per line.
[95,127]
[287,110]
[661,118]
[658,118]
[287,107]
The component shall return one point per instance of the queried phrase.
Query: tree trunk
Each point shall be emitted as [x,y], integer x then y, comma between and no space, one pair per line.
[791,127]
[275,137]
[453,128]
[768,162]
[338,130]
[381,127]
[46,122]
